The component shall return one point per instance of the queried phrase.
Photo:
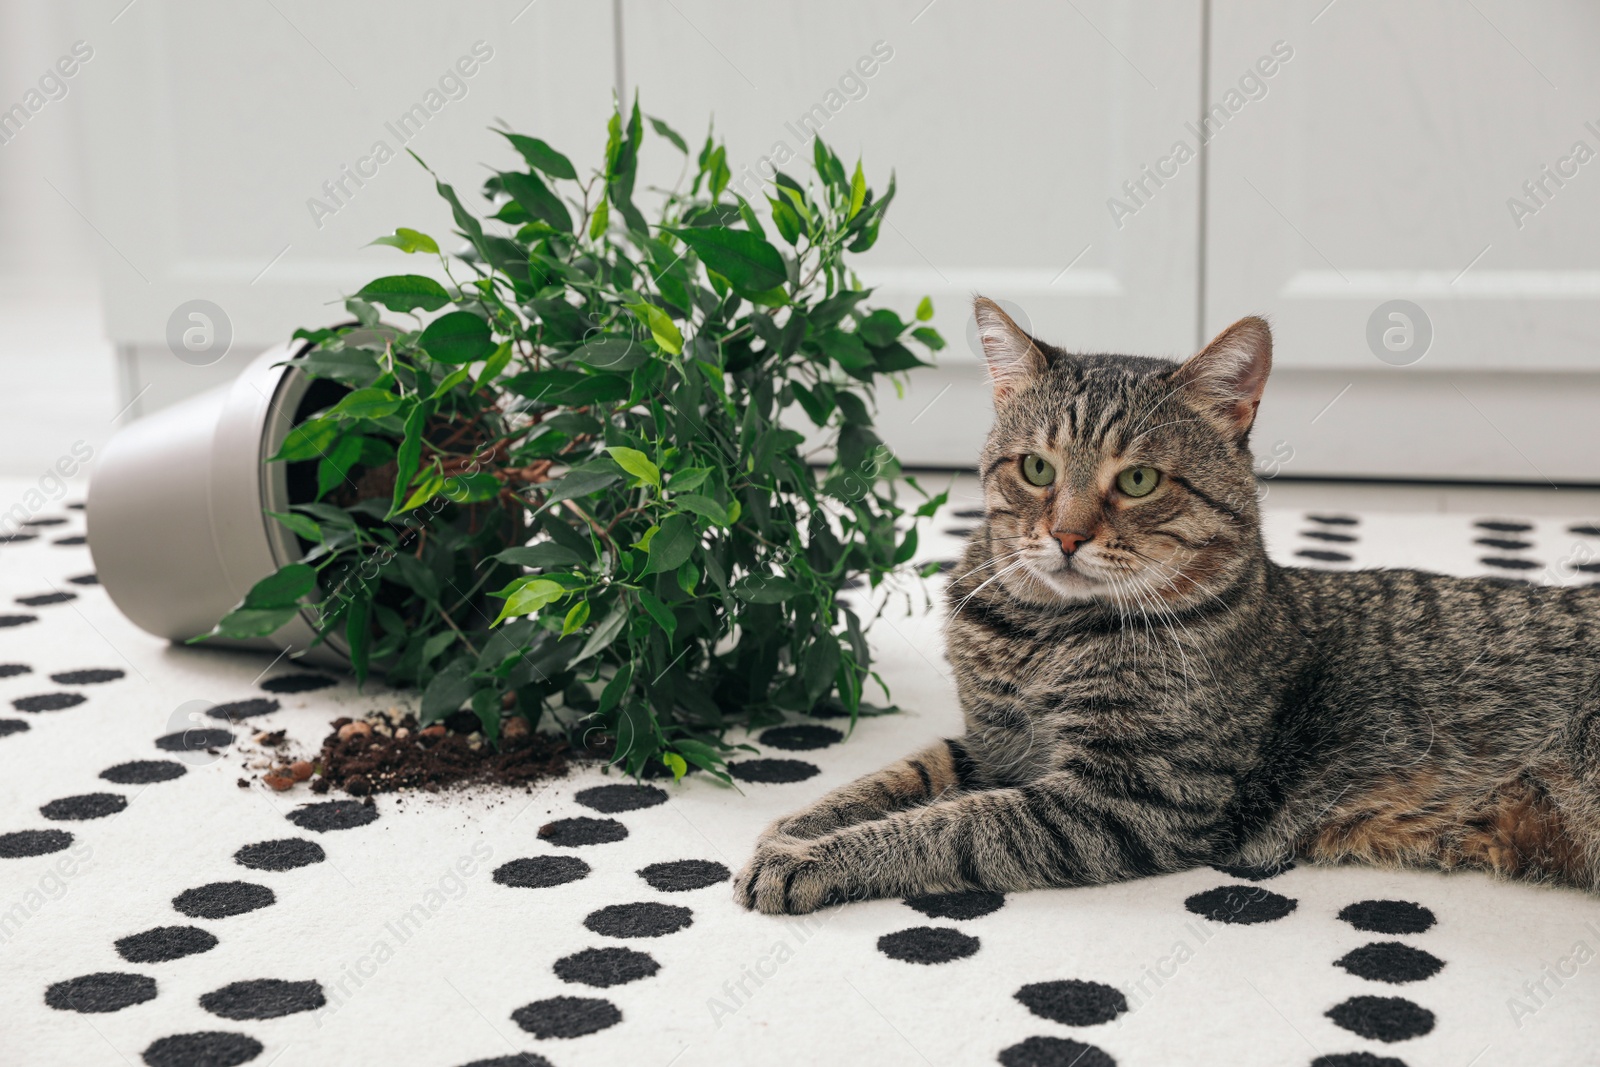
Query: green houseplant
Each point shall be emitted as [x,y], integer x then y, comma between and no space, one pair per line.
[568,478]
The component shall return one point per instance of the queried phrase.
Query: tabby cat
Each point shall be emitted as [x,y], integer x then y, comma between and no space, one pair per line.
[1145,691]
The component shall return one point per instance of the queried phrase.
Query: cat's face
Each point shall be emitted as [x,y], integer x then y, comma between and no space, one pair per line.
[1118,478]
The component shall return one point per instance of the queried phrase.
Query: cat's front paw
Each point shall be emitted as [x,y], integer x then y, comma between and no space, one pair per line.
[786,877]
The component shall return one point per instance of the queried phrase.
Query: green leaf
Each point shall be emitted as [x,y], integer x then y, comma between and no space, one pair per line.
[486,706]
[282,589]
[662,328]
[703,506]
[658,611]
[405,292]
[787,221]
[366,404]
[358,636]
[450,688]
[858,191]
[457,337]
[669,133]
[675,764]
[537,200]
[541,156]
[929,336]
[688,478]
[243,623]
[613,352]
[529,597]
[494,365]
[750,264]
[637,464]
[335,466]
[575,618]
[407,240]
[600,222]
[407,456]
[765,588]
[310,440]
[925,309]
[672,545]
[580,481]
[603,634]
[299,525]
[451,380]
[541,557]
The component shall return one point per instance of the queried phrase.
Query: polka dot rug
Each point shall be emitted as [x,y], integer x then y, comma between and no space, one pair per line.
[154,912]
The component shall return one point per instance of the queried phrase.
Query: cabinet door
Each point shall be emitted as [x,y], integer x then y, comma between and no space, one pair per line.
[1414,198]
[1009,127]
[233,152]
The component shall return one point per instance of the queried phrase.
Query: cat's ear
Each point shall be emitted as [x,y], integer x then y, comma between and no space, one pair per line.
[1226,379]
[1014,358]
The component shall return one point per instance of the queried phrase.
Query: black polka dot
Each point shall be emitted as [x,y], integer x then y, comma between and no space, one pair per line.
[682,875]
[209,1048]
[48,702]
[521,1059]
[1585,529]
[282,855]
[101,992]
[801,737]
[541,872]
[566,1016]
[1073,1002]
[91,676]
[333,815]
[75,539]
[194,740]
[165,943]
[606,967]
[1240,904]
[569,833]
[263,998]
[959,531]
[297,683]
[1334,520]
[967,904]
[1382,1018]
[927,944]
[87,806]
[645,919]
[40,600]
[1325,555]
[13,726]
[1330,536]
[1504,544]
[1387,916]
[1054,1052]
[614,798]
[1356,1059]
[773,770]
[144,772]
[11,670]
[1511,563]
[218,900]
[16,538]
[1255,874]
[50,520]
[1592,567]
[20,844]
[1390,961]
[235,710]
[85,579]
[1502,526]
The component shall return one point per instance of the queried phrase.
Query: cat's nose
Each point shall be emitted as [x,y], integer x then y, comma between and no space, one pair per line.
[1070,539]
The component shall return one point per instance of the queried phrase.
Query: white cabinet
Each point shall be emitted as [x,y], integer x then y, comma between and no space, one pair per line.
[1048,155]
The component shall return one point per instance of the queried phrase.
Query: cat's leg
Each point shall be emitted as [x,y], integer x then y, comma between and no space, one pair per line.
[1051,832]
[936,771]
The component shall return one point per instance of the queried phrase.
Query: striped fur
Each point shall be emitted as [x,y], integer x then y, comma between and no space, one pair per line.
[1174,698]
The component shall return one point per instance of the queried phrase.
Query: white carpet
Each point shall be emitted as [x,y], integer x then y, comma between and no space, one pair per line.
[448,985]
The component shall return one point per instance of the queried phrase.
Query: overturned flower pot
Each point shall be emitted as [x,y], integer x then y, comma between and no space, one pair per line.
[178,510]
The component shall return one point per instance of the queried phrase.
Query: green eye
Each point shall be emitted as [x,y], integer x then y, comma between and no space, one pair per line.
[1037,469]
[1138,481]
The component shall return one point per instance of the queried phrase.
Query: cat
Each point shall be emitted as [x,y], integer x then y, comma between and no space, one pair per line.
[1145,691]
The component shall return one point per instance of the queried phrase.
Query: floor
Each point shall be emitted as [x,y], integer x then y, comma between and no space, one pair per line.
[160,905]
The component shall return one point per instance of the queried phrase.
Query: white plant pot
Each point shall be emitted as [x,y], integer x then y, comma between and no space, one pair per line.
[176,509]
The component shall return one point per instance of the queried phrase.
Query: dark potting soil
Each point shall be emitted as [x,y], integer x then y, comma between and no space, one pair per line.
[365,763]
